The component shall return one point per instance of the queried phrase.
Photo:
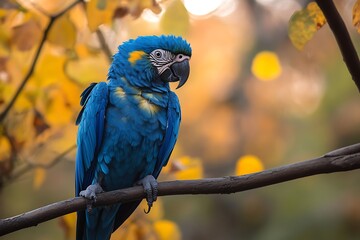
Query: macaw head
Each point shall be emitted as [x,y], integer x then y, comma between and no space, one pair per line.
[152,62]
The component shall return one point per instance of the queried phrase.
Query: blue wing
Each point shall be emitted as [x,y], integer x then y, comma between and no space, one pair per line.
[91,121]
[171,134]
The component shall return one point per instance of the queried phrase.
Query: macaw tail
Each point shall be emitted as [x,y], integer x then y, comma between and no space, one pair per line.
[99,223]
[125,210]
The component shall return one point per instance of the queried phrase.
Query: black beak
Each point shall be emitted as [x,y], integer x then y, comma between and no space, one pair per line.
[179,71]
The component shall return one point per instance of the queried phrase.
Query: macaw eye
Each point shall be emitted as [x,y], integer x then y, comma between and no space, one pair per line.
[158,54]
[162,59]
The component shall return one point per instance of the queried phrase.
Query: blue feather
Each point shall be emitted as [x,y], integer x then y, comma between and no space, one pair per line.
[84,98]
[173,123]
[89,140]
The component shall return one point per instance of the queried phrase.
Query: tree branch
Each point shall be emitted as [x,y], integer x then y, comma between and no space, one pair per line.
[344,159]
[30,166]
[342,37]
[36,57]
[104,45]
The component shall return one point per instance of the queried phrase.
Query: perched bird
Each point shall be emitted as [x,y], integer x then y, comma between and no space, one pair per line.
[128,127]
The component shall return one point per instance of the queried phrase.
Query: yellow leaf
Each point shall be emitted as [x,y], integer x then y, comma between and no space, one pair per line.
[316,14]
[167,230]
[63,32]
[2,12]
[82,51]
[68,223]
[248,164]
[71,92]
[57,109]
[58,140]
[5,148]
[39,178]
[49,70]
[19,128]
[266,66]
[152,5]
[100,12]
[87,70]
[304,23]
[49,7]
[188,168]
[77,16]
[6,162]
[4,41]
[136,7]
[22,103]
[175,19]
[356,15]
[56,96]
[18,65]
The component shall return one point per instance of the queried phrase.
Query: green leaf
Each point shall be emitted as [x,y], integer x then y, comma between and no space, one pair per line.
[5,34]
[63,32]
[175,19]
[101,4]
[304,24]
[87,70]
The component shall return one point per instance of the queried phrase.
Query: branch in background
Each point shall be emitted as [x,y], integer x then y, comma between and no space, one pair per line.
[344,159]
[343,39]
[36,57]
[104,45]
[29,166]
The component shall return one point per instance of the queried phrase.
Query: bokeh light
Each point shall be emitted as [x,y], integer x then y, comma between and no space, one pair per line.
[248,164]
[202,7]
[266,66]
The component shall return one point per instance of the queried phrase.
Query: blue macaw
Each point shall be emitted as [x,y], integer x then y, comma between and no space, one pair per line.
[128,127]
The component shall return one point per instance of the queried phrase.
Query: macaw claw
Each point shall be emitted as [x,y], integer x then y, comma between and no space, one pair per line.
[91,191]
[151,189]
[148,210]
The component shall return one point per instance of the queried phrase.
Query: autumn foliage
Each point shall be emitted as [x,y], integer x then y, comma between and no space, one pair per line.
[250,103]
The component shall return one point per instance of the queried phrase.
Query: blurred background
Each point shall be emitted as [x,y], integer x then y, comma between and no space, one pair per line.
[253,101]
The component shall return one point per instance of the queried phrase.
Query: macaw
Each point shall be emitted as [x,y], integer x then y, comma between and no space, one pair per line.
[128,127]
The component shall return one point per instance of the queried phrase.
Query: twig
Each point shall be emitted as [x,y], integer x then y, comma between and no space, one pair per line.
[104,45]
[29,166]
[36,57]
[344,159]
[342,37]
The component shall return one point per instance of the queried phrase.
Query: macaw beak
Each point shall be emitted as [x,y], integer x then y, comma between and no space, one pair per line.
[178,71]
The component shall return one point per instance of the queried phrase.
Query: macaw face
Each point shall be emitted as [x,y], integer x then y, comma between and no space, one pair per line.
[152,62]
[171,67]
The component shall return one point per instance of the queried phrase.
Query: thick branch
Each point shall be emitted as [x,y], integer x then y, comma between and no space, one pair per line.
[343,39]
[36,57]
[344,159]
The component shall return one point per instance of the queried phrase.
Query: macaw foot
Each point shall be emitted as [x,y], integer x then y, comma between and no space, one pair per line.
[151,189]
[91,191]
